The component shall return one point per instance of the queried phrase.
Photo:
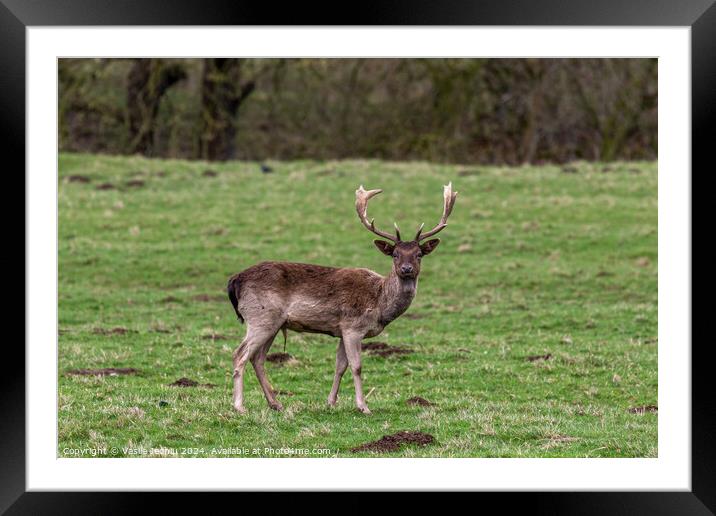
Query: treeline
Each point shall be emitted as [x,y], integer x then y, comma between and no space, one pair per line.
[504,111]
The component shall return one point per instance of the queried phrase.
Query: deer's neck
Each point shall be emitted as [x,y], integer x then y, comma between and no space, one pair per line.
[396,296]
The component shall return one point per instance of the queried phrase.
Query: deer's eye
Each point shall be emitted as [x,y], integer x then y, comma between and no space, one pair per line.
[395,257]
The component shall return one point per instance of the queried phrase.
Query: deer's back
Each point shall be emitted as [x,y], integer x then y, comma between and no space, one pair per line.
[289,278]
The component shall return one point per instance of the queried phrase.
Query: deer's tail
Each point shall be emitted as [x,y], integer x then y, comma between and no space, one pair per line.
[233,289]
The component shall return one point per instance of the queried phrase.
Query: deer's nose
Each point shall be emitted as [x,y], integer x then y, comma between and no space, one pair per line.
[406,269]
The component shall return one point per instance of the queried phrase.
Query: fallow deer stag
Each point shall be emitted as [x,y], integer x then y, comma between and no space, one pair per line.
[350,304]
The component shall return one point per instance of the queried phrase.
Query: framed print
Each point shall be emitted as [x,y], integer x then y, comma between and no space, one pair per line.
[218,298]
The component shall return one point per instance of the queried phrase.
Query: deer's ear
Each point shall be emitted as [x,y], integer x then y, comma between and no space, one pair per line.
[384,247]
[429,246]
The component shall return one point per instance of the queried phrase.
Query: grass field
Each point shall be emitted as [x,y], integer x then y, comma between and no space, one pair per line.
[537,261]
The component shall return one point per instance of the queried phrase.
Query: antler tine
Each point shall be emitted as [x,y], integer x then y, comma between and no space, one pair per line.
[420,229]
[448,204]
[362,198]
[397,230]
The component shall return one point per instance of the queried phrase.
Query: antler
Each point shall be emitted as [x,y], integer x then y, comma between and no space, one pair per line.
[362,198]
[448,203]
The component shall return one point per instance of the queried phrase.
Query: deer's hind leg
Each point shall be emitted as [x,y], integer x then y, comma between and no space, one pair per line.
[341,366]
[258,362]
[257,336]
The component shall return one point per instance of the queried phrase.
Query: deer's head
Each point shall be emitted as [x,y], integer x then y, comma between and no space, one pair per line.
[406,254]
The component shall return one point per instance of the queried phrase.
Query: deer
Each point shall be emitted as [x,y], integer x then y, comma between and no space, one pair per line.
[347,303]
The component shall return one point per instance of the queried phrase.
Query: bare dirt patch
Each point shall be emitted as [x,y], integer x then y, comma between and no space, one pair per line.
[280,358]
[392,351]
[644,409]
[106,186]
[209,173]
[78,178]
[216,231]
[384,350]
[134,183]
[215,336]
[642,261]
[187,382]
[107,371]
[536,358]
[419,402]
[371,346]
[393,442]
[171,299]
[415,316]
[206,298]
[118,330]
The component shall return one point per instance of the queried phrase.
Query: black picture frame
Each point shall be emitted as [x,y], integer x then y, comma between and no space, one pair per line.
[17,15]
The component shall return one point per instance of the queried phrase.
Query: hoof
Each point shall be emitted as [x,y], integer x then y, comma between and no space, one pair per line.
[332,403]
[240,409]
[364,410]
[276,406]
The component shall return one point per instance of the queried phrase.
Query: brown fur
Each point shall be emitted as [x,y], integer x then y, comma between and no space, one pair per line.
[345,292]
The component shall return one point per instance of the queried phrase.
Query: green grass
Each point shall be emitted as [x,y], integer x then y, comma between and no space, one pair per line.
[535,261]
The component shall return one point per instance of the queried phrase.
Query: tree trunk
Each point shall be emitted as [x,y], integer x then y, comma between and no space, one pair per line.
[222,92]
[148,81]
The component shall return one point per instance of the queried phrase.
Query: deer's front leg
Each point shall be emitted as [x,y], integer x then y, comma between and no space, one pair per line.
[352,343]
